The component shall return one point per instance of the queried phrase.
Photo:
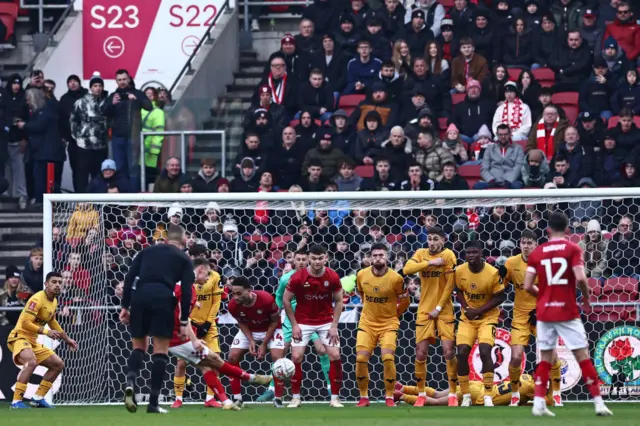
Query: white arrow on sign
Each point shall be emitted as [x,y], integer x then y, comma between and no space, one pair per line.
[113,47]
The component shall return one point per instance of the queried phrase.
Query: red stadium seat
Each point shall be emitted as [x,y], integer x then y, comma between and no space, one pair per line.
[565,98]
[394,238]
[8,16]
[545,76]
[279,242]
[523,145]
[514,73]
[595,285]
[350,101]
[613,121]
[575,238]
[442,126]
[364,171]
[456,98]
[621,285]
[447,4]
[572,112]
[294,123]
[471,173]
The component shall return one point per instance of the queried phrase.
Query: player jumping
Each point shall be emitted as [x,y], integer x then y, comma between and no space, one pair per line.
[318,292]
[380,289]
[523,324]
[300,261]
[435,311]
[479,292]
[559,267]
[258,318]
[39,311]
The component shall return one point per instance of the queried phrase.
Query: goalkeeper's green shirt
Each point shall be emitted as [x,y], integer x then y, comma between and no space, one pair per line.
[282,286]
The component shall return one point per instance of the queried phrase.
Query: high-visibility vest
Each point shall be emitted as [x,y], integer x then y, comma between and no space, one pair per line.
[152,121]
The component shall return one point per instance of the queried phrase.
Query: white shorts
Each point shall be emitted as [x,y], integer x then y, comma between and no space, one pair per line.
[572,333]
[241,341]
[187,352]
[308,330]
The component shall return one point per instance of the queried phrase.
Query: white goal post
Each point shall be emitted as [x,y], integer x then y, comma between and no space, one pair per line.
[91,239]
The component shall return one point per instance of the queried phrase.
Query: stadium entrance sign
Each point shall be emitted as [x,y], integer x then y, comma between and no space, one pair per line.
[617,361]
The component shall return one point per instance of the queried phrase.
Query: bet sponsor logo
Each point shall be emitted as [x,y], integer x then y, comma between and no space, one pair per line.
[617,361]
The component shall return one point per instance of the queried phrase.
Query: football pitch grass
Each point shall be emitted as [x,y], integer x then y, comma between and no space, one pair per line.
[320,415]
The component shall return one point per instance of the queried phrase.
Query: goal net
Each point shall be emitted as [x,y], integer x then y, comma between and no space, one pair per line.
[93,238]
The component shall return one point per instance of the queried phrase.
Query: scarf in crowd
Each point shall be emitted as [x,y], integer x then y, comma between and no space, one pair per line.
[545,142]
[516,116]
[277,91]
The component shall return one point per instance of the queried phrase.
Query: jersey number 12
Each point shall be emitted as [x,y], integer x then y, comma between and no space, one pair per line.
[558,277]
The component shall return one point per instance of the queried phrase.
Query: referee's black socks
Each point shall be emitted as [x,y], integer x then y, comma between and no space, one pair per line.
[158,371]
[134,364]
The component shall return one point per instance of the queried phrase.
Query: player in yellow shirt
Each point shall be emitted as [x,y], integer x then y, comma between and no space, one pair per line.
[523,323]
[39,311]
[501,393]
[384,300]
[203,317]
[435,310]
[480,291]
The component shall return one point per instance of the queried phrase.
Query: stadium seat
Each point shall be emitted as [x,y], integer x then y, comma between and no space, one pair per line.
[621,285]
[350,102]
[575,238]
[280,241]
[8,16]
[364,171]
[456,98]
[572,112]
[394,238]
[545,76]
[442,126]
[294,123]
[514,73]
[613,121]
[470,172]
[565,98]
[523,145]
[447,4]
[595,285]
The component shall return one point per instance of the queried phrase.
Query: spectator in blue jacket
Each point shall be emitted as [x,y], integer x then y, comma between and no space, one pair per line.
[362,70]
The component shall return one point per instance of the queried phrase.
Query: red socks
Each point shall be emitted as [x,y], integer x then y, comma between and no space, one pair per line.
[296,380]
[211,379]
[233,371]
[335,375]
[279,387]
[542,379]
[590,377]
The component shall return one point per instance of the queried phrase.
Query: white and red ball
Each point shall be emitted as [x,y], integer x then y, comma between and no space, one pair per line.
[283,369]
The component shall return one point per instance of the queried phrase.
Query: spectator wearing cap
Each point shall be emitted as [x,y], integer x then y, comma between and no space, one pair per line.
[616,60]
[13,294]
[287,158]
[330,157]
[261,126]
[595,93]
[453,143]
[467,65]
[548,39]
[392,15]
[626,133]
[75,92]
[324,14]
[378,100]
[591,130]
[609,162]
[518,44]
[15,109]
[535,169]
[347,36]
[591,33]
[625,31]
[344,133]
[567,14]
[398,149]
[247,179]
[433,13]
[186,184]
[548,133]
[369,140]
[316,97]
[109,180]
[307,42]
[473,113]
[571,62]
[627,94]
[424,122]
[282,83]
[362,70]
[208,177]
[502,162]
[431,155]
[461,15]
[297,64]
[88,133]
[451,180]
[169,179]
[485,34]
[333,63]
[514,113]
[581,159]
[417,34]
[533,14]
[382,179]
[380,44]
[448,40]
[252,148]
[544,100]
[276,112]
[412,106]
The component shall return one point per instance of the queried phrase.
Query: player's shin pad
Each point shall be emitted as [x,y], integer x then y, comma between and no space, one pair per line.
[389,374]
[555,376]
[421,374]
[514,378]
[452,374]
[178,386]
[487,381]
[362,375]
[464,384]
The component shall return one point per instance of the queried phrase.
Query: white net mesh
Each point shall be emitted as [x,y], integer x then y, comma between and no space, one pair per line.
[94,244]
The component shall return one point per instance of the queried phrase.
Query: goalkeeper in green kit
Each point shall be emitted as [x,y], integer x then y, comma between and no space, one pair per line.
[300,262]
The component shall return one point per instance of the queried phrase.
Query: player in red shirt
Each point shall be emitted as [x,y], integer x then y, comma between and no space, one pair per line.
[318,294]
[258,318]
[559,267]
[195,352]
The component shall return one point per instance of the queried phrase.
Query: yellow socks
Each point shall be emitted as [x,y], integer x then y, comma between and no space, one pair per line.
[421,375]
[388,361]
[362,375]
[514,377]
[413,390]
[487,380]
[43,388]
[178,386]
[452,374]
[18,394]
[556,376]
[464,384]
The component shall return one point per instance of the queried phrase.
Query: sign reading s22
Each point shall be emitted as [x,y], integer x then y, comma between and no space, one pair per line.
[152,39]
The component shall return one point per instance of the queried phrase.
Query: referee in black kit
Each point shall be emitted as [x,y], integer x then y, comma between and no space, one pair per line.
[148,306]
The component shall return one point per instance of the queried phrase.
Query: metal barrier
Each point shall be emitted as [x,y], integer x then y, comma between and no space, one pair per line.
[183,149]
[41,6]
[247,3]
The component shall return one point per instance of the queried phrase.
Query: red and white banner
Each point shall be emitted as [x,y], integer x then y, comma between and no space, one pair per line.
[152,39]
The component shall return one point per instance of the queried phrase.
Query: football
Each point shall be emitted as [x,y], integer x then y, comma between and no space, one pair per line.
[283,369]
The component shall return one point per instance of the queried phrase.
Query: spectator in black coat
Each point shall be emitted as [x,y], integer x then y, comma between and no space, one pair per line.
[297,62]
[416,33]
[398,150]
[307,42]
[609,162]
[533,14]
[282,83]
[247,179]
[626,133]
[591,130]
[493,84]
[590,31]
[485,35]
[412,106]
[382,179]
[347,36]
[277,113]
[344,134]
[571,62]
[253,150]
[109,180]
[286,159]
[415,180]
[207,178]
[462,14]
[324,14]
[469,116]
[332,63]
[451,180]
[15,108]
[306,130]
[369,140]
[392,15]
[548,40]
[595,93]
[448,40]
[519,44]
[380,44]
[392,81]
[529,90]
[581,159]
[627,94]
[316,97]
[32,274]
[623,253]
[75,92]
[261,126]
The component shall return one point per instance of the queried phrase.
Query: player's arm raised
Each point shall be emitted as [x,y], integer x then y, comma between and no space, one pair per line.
[288,296]
[338,303]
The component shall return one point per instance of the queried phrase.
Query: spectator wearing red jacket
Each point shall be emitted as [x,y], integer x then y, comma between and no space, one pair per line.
[625,31]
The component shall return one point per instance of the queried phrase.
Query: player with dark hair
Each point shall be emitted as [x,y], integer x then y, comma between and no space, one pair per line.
[558,265]
[318,293]
[523,324]
[479,291]
[148,303]
[39,311]
[435,265]
[381,290]
[258,319]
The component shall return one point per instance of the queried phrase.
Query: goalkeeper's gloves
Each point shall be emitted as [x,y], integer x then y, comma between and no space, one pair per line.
[532,317]
[502,270]
[202,329]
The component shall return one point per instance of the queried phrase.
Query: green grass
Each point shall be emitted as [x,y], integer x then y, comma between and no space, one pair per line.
[319,415]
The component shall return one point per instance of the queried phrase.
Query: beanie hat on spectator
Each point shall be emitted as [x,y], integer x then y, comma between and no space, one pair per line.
[378,86]
[230,226]
[264,89]
[549,17]
[611,42]
[510,86]
[260,113]
[586,181]
[373,21]
[185,180]
[594,225]
[346,17]
[73,77]
[417,13]
[287,39]
[108,164]
[473,83]
[95,78]
[453,128]
[324,135]
[329,36]
[446,22]
[528,2]
[611,134]
[425,112]
[600,62]
[484,132]
[175,210]
[12,271]
[589,13]
[536,155]
[15,79]
[222,181]
[341,113]
[419,91]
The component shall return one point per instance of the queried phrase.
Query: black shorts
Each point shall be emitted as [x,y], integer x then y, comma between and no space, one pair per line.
[152,311]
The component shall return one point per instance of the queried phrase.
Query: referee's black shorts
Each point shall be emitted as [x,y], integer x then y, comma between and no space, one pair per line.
[152,311]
